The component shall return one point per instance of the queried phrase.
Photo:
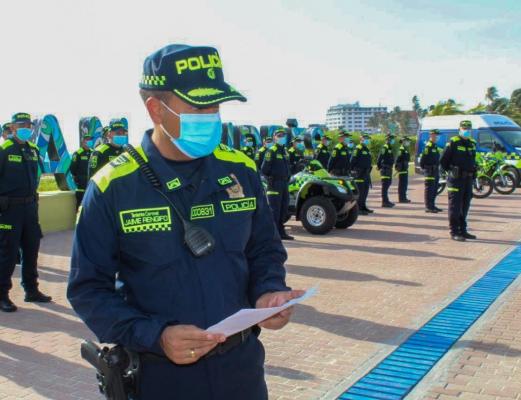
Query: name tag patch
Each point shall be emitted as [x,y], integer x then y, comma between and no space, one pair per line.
[14,158]
[245,204]
[146,220]
[202,211]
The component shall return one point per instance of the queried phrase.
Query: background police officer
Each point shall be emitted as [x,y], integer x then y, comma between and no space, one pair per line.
[80,167]
[402,168]
[6,131]
[385,164]
[20,168]
[249,146]
[129,229]
[296,155]
[430,163]
[459,159]
[276,169]
[116,138]
[340,161]
[259,155]
[361,171]
[322,151]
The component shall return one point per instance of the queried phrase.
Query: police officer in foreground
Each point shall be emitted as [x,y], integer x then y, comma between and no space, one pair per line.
[259,155]
[296,156]
[430,164]
[322,151]
[276,169]
[385,164]
[340,162]
[20,168]
[459,159]
[402,169]
[80,167]
[116,138]
[361,171]
[128,226]
[249,146]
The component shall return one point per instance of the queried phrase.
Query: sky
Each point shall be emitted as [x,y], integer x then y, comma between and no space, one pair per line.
[292,58]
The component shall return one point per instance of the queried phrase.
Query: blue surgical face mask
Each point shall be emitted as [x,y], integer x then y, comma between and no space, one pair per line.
[281,140]
[465,133]
[269,145]
[199,134]
[249,144]
[392,141]
[350,145]
[89,143]
[24,134]
[366,141]
[406,144]
[301,147]
[120,140]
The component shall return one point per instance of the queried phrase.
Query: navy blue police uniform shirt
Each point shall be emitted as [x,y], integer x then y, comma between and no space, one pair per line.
[20,168]
[125,227]
[276,163]
[361,158]
[459,153]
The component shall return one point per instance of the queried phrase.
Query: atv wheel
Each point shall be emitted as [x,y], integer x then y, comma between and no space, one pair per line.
[348,219]
[318,215]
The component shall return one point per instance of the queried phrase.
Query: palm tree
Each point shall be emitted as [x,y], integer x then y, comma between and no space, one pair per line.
[449,107]
[491,94]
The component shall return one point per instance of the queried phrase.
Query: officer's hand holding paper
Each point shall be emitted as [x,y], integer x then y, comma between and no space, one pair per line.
[248,317]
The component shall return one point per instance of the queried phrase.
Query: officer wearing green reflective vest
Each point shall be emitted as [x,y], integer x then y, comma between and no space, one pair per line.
[385,166]
[322,151]
[430,164]
[276,169]
[20,170]
[361,171]
[6,132]
[116,138]
[402,169]
[80,167]
[459,159]
[259,155]
[296,155]
[249,146]
[340,161]
[137,222]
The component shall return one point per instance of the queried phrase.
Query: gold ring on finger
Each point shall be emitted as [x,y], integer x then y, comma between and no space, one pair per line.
[192,353]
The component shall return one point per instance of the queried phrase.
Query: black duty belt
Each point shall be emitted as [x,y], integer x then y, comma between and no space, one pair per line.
[222,348]
[22,200]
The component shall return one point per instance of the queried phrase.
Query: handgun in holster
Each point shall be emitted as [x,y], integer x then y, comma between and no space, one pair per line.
[455,172]
[117,370]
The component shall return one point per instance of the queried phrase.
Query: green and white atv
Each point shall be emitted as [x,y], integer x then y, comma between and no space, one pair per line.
[322,201]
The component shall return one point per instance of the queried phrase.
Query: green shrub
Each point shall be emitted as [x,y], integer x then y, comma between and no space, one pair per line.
[48,184]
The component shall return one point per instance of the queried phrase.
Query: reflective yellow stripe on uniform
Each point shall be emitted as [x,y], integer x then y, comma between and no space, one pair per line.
[452,189]
[429,178]
[271,193]
[224,153]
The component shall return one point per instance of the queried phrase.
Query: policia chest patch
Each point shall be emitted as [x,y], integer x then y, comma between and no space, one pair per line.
[146,220]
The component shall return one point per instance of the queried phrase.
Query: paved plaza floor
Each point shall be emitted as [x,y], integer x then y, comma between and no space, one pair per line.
[379,282]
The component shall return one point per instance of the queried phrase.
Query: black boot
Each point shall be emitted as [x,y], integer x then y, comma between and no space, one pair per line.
[387,204]
[438,209]
[404,201]
[35,296]
[6,305]
[467,235]
[431,210]
[457,237]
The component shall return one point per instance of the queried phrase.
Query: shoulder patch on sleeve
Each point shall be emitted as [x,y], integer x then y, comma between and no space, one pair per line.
[8,143]
[122,166]
[224,153]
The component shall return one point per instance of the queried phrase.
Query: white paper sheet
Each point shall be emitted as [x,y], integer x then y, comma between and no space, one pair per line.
[247,317]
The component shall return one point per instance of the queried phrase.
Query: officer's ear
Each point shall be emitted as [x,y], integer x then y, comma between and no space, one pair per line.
[155,110]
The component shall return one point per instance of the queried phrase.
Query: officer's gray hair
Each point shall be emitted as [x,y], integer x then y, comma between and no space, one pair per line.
[160,95]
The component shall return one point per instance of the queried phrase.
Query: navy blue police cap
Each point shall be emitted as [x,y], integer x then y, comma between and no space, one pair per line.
[20,118]
[194,74]
[115,125]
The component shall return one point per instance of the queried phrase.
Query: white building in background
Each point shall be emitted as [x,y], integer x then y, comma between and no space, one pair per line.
[352,117]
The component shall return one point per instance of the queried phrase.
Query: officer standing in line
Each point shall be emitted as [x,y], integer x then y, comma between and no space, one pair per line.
[402,168]
[116,138]
[459,159]
[80,167]
[385,164]
[20,168]
[322,152]
[128,226]
[296,156]
[6,132]
[340,162]
[276,169]
[430,164]
[361,171]
[259,155]
[249,148]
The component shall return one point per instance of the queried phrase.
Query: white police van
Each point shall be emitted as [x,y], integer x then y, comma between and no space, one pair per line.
[490,131]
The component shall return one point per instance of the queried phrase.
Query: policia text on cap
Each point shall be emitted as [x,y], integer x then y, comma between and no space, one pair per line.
[127,228]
